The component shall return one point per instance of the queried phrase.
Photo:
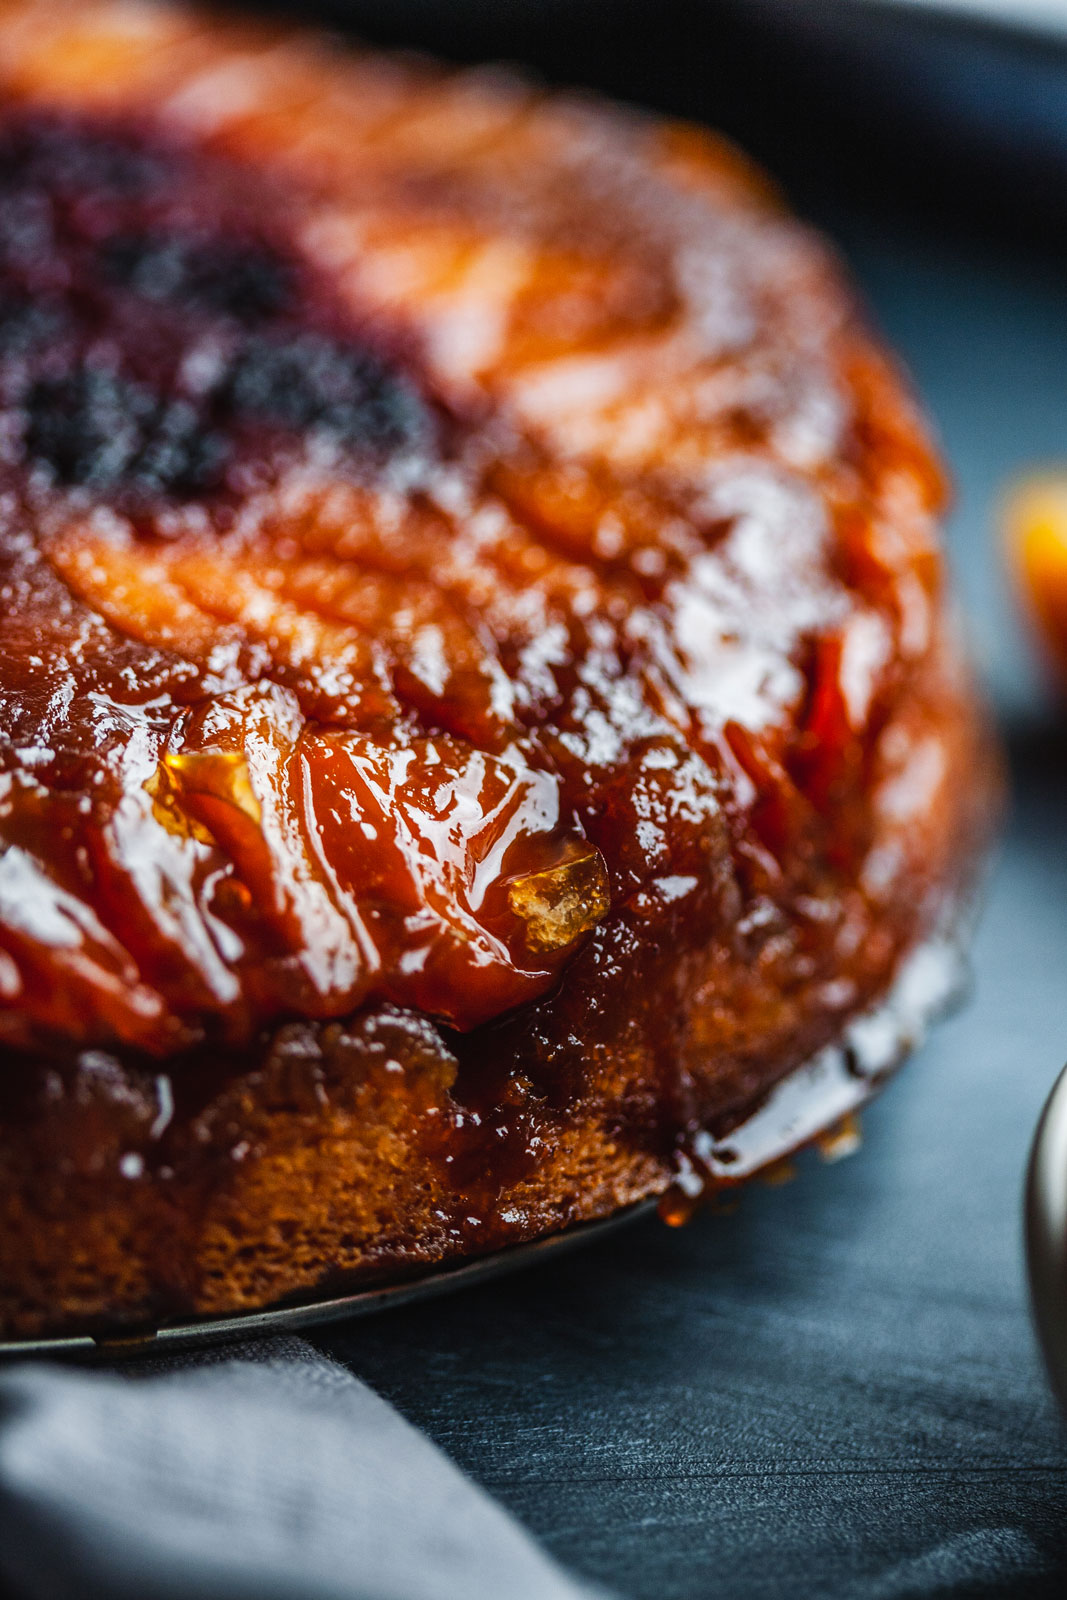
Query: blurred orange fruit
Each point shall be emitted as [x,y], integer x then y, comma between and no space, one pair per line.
[1035,527]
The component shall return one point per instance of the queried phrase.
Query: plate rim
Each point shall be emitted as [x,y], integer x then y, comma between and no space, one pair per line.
[1038,19]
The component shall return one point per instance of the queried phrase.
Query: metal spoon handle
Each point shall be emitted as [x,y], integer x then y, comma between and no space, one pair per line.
[1046,1234]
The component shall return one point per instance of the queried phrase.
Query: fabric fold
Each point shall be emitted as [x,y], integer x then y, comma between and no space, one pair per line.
[275,1476]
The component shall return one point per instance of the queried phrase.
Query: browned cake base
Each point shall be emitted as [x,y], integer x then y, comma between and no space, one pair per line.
[476,707]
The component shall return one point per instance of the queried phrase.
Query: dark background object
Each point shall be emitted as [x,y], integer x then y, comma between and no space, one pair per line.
[835,1391]
[958,120]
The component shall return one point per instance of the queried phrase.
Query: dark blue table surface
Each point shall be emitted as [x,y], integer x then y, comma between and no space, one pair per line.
[835,1390]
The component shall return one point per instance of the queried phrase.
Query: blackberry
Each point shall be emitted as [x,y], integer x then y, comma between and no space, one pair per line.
[308,381]
[98,430]
[27,325]
[247,281]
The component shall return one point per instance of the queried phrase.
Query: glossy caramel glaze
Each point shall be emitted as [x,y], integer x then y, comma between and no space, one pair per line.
[475,704]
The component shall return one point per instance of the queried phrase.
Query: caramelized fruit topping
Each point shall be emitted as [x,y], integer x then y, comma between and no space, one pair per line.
[238,820]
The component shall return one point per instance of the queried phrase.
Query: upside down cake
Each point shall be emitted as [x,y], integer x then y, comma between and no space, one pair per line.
[476,702]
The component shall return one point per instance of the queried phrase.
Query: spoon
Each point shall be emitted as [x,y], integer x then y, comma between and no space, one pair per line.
[1046,1234]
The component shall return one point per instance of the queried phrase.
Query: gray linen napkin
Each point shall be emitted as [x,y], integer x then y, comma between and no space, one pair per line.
[278,1476]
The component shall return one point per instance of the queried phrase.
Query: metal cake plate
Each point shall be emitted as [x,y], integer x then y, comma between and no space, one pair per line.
[289,1318]
[811,1101]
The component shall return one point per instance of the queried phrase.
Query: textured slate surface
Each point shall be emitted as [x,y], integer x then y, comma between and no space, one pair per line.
[833,1391]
